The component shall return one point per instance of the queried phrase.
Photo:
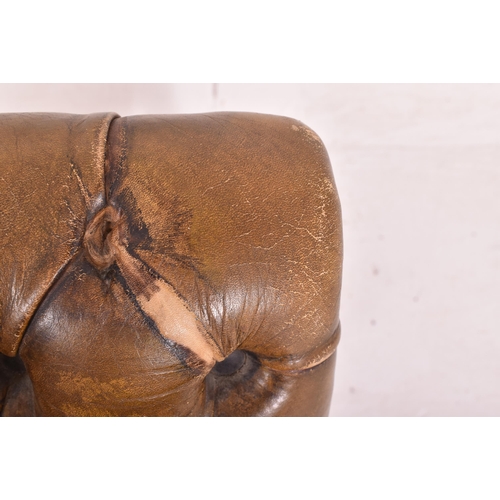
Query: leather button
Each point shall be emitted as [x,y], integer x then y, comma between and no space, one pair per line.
[230,365]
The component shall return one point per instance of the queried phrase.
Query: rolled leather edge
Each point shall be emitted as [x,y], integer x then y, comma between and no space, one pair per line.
[307,360]
[52,168]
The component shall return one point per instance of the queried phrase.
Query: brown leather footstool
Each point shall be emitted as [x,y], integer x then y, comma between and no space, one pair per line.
[166,265]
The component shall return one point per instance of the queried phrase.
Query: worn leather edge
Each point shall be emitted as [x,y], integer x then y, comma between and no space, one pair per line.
[308,360]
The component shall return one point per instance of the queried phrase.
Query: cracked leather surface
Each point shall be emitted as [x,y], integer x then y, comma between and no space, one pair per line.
[167,265]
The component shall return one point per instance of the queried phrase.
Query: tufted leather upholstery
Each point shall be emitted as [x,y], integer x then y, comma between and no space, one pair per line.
[166,265]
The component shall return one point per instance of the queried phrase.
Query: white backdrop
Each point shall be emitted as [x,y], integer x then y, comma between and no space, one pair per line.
[418,172]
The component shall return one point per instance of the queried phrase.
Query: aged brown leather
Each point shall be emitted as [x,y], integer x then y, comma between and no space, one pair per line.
[166,265]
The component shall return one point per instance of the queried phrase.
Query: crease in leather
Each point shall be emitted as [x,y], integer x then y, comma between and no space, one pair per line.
[151,292]
[105,244]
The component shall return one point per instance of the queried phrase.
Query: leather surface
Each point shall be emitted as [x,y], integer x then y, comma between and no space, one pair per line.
[167,265]
[51,182]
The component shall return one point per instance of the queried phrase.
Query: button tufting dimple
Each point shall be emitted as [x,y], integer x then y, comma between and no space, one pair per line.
[102,238]
[230,365]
